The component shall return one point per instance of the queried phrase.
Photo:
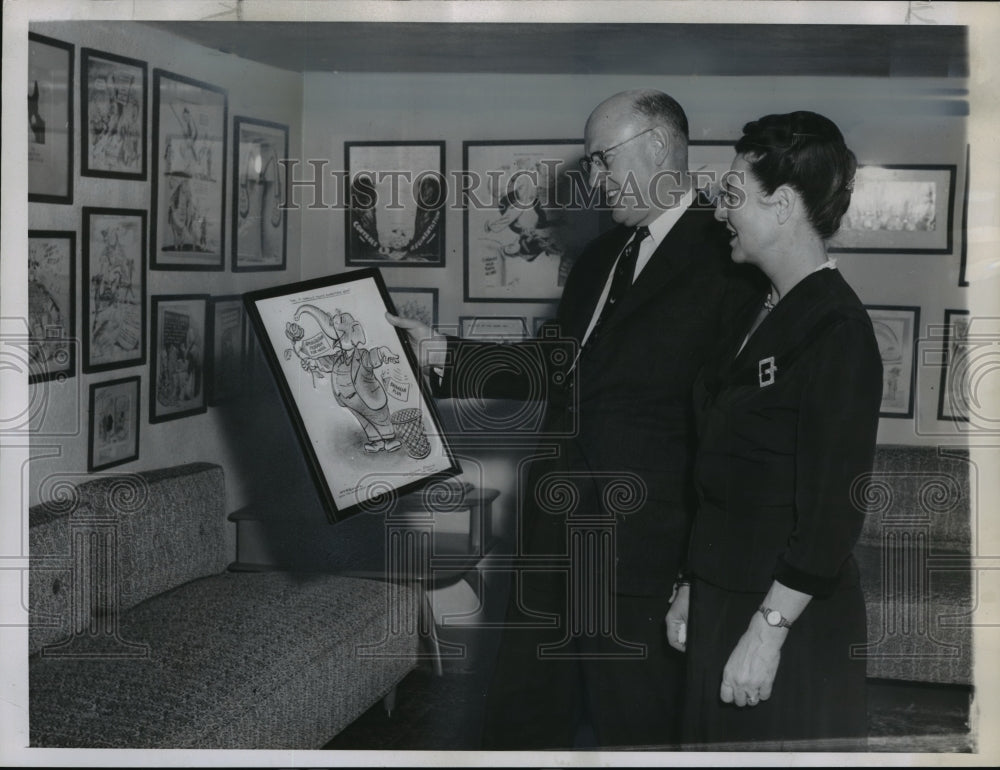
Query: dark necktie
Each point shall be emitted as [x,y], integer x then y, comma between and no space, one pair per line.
[622,280]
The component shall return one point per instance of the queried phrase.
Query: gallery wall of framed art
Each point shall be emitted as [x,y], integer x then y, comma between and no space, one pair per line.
[503,242]
[133,201]
[156,132]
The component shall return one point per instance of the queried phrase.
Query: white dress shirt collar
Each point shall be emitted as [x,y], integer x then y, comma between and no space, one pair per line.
[658,230]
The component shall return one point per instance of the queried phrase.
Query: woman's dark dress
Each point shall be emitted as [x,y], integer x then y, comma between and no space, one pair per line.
[786,428]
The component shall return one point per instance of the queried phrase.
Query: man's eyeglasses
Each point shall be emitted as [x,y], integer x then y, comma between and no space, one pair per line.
[599,158]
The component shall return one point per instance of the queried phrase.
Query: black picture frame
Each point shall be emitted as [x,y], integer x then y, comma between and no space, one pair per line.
[176,365]
[123,128]
[115,417]
[350,454]
[225,368]
[420,305]
[52,340]
[958,365]
[520,241]
[410,230]
[188,195]
[963,281]
[50,119]
[113,288]
[493,328]
[897,328]
[255,234]
[902,231]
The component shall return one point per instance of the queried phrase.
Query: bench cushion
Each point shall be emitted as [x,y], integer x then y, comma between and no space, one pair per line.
[267,660]
[913,555]
[154,530]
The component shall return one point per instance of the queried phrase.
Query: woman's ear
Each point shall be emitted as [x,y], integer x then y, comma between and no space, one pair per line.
[785,200]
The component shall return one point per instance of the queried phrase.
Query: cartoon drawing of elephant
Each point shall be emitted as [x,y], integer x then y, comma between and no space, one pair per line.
[339,350]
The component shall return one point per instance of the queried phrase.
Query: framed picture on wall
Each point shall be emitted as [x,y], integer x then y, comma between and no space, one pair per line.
[956,375]
[177,359]
[396,202]
[899,210]
[114,423]
[260,223]
[352,388]
[498,328]
[189,174]
[964,232]
[708,161]
[895,331]
[227,355]
[51,305]
[50,119]
[528,214]
[418,304]
[113,96]
[114,288]
[256,372]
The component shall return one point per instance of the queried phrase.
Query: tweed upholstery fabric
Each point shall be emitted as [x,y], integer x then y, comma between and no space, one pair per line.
[156,529]
[237,660]
[912,555]
[914,636]
[50,577]
[171,525]
[921,486]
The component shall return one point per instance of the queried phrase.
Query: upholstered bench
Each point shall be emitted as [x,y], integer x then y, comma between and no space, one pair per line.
[140,638]
[915,557]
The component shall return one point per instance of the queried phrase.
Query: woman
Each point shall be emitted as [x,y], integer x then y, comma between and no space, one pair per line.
[770,604]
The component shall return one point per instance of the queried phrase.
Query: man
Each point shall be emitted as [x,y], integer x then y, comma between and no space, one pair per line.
[622,439]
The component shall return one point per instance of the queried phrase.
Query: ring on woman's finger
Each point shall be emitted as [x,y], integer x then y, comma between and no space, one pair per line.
[752,700]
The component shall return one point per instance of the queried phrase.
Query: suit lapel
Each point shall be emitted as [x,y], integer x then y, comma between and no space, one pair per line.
[671,258]
[586,305]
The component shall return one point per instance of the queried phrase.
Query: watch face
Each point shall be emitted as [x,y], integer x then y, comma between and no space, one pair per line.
[773,618]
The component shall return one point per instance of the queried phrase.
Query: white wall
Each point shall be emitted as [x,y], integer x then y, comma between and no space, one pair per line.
[219,435]
[907,121]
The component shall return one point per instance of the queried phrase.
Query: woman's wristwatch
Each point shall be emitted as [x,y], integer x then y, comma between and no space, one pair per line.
[774,618]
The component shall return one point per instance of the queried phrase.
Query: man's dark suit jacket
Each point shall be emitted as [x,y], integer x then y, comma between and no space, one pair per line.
[627,402]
